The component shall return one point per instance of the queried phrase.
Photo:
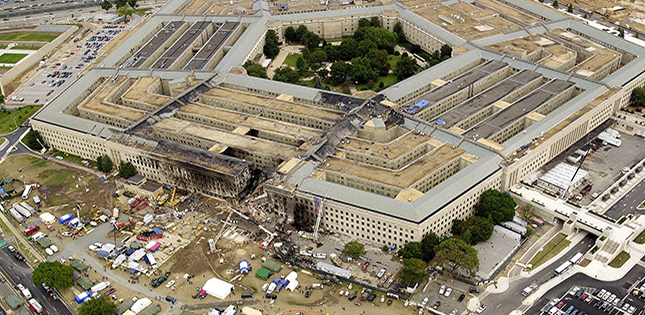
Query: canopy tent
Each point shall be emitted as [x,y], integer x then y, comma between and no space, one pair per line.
[250,311]
[272,265]
[152,310]
[124,307]
[23,311]
[85,283]
[244,266]
[79,265]
[135,245]
[48,218]
[13,301]
[292,276]
[292,285]
[263,274]
[65,218]
[140,305]
[217,288]
[44,242]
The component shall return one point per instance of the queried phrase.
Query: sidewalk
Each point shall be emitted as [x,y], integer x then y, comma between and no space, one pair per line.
[19,238]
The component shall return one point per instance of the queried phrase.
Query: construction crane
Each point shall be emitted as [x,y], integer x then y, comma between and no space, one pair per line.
[214,241]
[173,202]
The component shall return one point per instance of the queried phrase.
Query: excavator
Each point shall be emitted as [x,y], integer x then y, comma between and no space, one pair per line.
[125,225]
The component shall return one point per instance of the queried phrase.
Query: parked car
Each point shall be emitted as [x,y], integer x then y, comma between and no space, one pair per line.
[442,290]
[448,291]
[365,265]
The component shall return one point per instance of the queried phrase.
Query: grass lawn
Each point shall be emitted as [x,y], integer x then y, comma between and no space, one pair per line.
[290,60]
[11,58]
[393,60]
[550,249]
[640,239]
[28,37]
[387,81]
[7,118]
[620,260]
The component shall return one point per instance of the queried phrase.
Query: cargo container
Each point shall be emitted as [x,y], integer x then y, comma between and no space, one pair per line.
[31,230]
[16,215]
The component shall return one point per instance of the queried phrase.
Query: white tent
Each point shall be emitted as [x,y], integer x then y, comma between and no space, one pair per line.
[48,218]
[140,305]
[250,311]
[292,285]
[217,288]
[292,276]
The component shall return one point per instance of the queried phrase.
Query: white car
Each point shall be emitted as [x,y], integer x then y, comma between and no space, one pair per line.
[66,234]
[93,248]
[169,284]
[49,251]
[99,245]
[54,248]
[380,273]
[481,308]
[265,287]
[93,223]
[448,291]
[442,290]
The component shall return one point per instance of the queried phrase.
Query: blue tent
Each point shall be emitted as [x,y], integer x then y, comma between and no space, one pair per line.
[64,219]
[276,280]
[157,230]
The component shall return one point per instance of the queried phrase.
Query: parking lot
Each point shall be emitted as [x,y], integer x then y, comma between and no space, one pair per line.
[63,73]
[435,294]
[581,301]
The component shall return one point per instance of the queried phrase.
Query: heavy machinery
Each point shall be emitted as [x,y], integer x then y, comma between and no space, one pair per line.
[173,202]
[158,281]
[124,225]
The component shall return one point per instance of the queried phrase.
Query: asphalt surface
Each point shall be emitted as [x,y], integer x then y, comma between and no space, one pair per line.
[629,203]
[47,10]
[19,272]
[511,299]
[619,287]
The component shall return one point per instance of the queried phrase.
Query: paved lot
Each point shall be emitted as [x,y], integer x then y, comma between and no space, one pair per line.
[447,303]
[65,70]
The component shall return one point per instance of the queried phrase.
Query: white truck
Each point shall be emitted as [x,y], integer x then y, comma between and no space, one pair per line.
[35,306]
[24,290]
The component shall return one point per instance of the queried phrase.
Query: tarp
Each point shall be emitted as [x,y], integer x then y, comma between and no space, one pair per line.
[272,265]
[292,285]
[250,311]
[140,305]
[217,288]
[47,217]
[64,219]
[157,230]
[85,283]
[74,221]
[151,244]
[129,312]
[108,247]
[13,301]
[126,305]
[263,274]
[135,245]
[44,242]
[155,247]
[79,265]
[152,310]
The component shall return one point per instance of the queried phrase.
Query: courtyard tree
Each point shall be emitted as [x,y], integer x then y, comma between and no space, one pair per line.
[354,249]
[362,70]
[133,3]
[383,38]
[406,67]
[310,40]
[290,35]
[398,29]
[255,69]
[53,274]
[455,253]
[347,49]
[638,96]
[428,245]
[363,23]
[446,51]
[100,306]
[106,5]
[480,229]
[120,3]
[414,270]
[364,47]
[375,22]
[300,32]
[570,8]
[339,72]
[127,170]
[318,56]
[125,11]
[301,65]
[286,74]
[271,48]
[555,4]
[496,206]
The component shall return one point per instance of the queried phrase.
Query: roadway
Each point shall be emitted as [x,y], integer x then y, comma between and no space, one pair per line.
[628,203]
[47,10]
[511,299]
[19,272]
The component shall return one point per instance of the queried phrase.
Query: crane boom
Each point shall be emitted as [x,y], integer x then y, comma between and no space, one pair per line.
[220,232]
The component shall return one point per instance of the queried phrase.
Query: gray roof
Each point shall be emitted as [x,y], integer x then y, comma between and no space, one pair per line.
[52,28]
[299,91]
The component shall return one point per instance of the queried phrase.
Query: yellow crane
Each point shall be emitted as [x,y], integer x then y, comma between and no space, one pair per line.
[173,202]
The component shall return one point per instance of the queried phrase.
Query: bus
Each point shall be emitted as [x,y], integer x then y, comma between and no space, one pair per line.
[564,267]
[576,258]
[27,192]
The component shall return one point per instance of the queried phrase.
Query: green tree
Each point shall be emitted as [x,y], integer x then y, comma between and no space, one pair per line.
[481,229]
[306,53]
[570,8]
[300,32]
[106,5]
[362,70]
[364,23]
[382,37]
[375,22]
[301,65]
[319,56]
[364,47]
[53,274]
[406,67]
[339,72]
[621,32]
[120,3]
[636,35]
[127,170]
[33,140]
[255,69]
[411,250]
[446,51]
[323,73]
[638,96]
[290,35]
[555,4]
[318,83]
[428,246]
[330,51]
[125,11]
[347,49]
[104,163]
[377,58]
[496,206]
[311,40]
[354,249]
[385,249]
[398,30]
[100,306]
[414,270]
[133,3]
[455,253]
[271,48]
[286,74]
[458,227]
